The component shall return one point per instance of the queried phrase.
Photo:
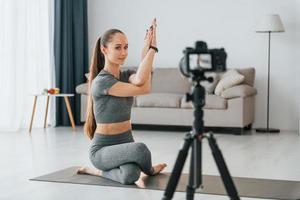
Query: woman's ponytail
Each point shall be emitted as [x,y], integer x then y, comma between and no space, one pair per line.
[97,64]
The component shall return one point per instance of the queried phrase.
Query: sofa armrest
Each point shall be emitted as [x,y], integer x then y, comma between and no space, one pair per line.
[82,88]
[243,90]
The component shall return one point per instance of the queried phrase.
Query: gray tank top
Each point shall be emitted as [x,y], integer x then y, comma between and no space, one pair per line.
[107,108]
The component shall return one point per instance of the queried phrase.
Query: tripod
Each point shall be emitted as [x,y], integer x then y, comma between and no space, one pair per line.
[193,139]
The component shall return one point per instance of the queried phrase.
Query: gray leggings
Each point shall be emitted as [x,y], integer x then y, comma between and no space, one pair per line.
[120,158]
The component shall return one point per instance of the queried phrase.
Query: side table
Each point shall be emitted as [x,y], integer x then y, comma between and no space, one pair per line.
[66,98]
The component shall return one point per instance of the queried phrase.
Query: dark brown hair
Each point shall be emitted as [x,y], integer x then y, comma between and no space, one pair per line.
[97,64]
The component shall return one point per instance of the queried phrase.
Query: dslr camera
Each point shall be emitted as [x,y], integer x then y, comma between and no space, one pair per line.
[200,59]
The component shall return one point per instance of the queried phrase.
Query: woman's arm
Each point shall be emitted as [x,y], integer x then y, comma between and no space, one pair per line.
[122,89]
[144,70]
[145,67]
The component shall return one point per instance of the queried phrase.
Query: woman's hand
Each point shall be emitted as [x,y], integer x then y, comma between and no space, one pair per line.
[147,42]
[150,38]
[153,39]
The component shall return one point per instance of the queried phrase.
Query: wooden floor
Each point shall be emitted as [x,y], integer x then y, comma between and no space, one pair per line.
[274,156]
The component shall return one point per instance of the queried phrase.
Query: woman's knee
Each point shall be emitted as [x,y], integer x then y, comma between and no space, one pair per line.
[97,162]
[130,173]
[142,149]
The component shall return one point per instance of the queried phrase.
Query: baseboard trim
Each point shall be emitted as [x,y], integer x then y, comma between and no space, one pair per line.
[155,127]
[225,130]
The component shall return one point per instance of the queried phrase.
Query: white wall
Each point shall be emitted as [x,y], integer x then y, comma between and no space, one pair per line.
[221,23]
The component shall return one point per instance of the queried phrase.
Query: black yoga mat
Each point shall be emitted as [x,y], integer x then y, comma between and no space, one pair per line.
[247,187]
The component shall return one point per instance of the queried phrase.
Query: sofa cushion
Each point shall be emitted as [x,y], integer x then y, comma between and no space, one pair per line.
[229,79]
[82,88]
[211,102]
[166,100]
[169,80]
[239,91]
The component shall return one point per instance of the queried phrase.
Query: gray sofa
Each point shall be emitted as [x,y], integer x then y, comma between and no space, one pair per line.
[165,105]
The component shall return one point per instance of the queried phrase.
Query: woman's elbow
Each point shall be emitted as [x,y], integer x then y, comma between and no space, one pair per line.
[138,82]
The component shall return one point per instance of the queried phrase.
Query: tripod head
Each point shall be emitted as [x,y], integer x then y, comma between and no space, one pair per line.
[198,99]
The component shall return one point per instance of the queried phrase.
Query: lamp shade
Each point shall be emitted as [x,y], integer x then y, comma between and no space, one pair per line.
[270,23]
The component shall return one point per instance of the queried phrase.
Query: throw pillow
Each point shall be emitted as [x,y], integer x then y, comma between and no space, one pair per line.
[243,90]
[229,79]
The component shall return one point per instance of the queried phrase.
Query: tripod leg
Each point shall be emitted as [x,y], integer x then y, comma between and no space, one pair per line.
[195,174]
[226,178]
[176,172]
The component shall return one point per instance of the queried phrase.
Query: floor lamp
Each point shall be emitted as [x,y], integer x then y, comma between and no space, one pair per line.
[269,24]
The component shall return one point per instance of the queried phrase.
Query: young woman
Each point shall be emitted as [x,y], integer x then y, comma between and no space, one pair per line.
[113,151]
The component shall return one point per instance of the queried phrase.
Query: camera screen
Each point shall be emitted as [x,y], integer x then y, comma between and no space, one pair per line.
[197,61]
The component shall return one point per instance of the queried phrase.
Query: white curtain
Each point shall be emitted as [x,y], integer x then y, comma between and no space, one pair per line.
[26,65]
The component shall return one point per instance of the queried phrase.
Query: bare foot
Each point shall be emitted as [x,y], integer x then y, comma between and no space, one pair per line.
[141,181]
[90,171]
[159,167]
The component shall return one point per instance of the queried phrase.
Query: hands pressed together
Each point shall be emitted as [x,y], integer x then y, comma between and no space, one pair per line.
[150,39]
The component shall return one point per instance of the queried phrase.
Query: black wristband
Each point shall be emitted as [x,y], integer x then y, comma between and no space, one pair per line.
[153,47]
